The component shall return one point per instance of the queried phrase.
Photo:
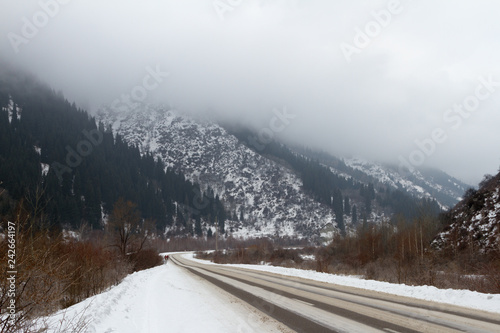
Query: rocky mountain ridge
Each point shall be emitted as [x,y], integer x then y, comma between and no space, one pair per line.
[263,196]
[474,223]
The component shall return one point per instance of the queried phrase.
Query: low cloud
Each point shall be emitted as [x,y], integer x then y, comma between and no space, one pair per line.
[243,59]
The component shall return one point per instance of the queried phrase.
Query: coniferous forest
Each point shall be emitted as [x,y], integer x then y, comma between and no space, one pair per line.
[89,167]
[335,190]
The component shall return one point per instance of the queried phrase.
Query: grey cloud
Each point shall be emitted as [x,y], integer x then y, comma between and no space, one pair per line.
[276,53]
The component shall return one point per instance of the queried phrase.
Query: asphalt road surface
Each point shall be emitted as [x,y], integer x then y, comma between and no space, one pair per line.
[310,306]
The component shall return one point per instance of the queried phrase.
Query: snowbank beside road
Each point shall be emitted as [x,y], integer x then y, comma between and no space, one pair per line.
[162,299]
[464,298]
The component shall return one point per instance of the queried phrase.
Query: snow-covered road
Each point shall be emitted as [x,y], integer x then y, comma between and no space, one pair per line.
[308,305]
[170,298]
[163,299]
[463,298]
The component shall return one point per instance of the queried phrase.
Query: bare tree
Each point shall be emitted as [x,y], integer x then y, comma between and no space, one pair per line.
[124,223]
[146,232]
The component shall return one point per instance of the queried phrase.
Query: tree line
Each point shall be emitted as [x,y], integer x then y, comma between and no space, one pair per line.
[89,166]
[345,195]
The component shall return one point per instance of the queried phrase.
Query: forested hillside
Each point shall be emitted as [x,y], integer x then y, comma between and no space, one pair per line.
[69,170]
[353,196]
[472,227]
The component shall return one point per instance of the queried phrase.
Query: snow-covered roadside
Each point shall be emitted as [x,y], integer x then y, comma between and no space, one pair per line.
[163,299]
[464,298]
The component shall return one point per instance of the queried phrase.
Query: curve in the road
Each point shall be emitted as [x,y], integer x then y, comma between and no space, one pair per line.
[310,306]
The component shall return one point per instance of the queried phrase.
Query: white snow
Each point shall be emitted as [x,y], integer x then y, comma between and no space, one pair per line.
[270,195]
[417,184]
[170,299]
[45,168]
[308,256]
[162,299]
[464,298]
[12,110]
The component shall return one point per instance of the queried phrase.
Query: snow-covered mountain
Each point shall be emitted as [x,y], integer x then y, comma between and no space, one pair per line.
[266,192]
[420,183]
[425,183]
[474,223]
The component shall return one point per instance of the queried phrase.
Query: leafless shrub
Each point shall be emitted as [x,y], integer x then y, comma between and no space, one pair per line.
[493,276]
[145,259]
[53,273]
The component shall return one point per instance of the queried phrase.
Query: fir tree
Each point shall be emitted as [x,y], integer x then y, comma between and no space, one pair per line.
[354,215]
[347,206]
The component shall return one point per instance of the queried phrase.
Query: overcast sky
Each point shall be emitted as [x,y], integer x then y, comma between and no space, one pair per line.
[367,78]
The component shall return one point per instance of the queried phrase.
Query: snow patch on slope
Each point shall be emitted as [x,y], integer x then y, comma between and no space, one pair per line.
[13,110]
[269,195]
[413,181]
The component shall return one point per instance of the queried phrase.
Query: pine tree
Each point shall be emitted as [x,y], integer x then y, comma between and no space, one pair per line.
[197,226]
[222,225]
[347,206]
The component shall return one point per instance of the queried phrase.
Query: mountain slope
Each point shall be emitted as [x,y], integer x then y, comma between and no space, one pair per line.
[419,183]
[273,191]
[424,183]
[474,223]
[54,155]
[263,197]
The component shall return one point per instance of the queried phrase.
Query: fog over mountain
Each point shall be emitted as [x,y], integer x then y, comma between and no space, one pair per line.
[387,80]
